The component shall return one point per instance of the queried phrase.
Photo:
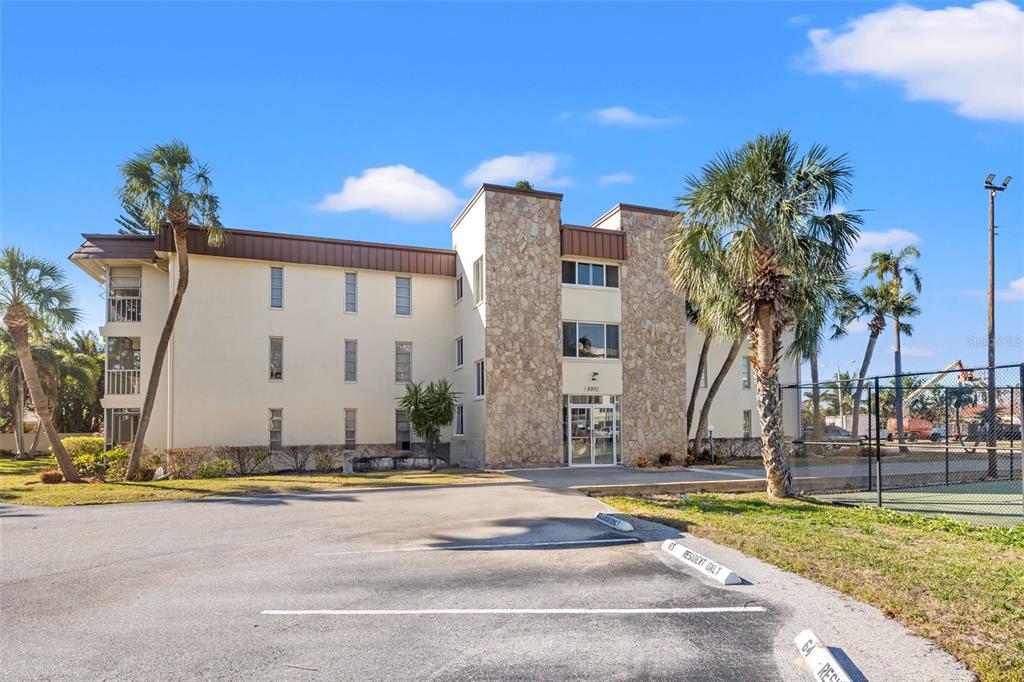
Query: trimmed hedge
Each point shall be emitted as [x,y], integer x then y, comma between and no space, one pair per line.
[83,445]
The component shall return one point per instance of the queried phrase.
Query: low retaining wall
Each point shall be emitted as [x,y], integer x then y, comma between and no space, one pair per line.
[7,441]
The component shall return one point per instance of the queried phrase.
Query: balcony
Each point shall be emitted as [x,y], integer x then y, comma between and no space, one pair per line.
[123,381]
[124,309]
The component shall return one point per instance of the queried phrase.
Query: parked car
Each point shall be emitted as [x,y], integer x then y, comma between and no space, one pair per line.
[828,432]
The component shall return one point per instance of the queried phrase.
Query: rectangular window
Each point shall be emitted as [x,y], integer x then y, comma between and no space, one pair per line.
[276,358]
[124,294]
[590,274]
[351,292]
[351,360]
[458,288]
[350,428]
[590,340]
[745,369]
[748,423]
[403,436]
[459,428]
[479,366]
[276,287]
[403,361]
[458,352]
[403,295]
[478,280]
[276,428]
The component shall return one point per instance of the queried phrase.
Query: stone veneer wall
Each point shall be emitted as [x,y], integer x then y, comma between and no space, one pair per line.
[523,330]
[653,343]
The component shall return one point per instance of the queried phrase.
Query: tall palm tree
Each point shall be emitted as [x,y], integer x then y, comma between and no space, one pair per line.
[35,297]
[892,266]
[693,318]
[171,191]
[873,303]
[758,232]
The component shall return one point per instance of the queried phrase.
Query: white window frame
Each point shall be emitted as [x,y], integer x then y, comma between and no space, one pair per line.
[350,443]
[112,297]
[479,280]
[459,425]
[479,380]
[460,352]
[746,370]
[459,289]
[409,280]
[270,360]
[344,361]
[273,269]
[398,345]
[354,291]
[748,423]
[280,428]
[408,426]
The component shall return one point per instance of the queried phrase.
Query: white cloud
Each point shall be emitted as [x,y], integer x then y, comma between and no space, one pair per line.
[869,242]
[621,116]
[799,19]
[397,191]
[616,179]
[969,57]
[858,326]
[536,167]
[1015,292]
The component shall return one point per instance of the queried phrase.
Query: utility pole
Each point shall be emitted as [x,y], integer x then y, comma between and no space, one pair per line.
[993,461]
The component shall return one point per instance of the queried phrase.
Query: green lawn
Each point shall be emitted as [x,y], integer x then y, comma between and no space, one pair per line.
[962,586]
[20,484]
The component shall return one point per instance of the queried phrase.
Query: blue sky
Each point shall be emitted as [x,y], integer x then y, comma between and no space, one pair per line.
[412,104]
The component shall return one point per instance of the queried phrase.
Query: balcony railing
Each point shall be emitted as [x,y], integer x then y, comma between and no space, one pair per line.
[123,381]
[124,309]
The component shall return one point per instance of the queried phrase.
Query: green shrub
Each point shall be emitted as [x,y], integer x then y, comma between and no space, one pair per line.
[83,445]
[665,459]
[90,464]
[117,463]
[218,467]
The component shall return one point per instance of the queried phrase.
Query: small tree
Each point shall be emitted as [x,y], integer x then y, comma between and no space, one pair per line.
[429,410]
[34,297]
[524,184]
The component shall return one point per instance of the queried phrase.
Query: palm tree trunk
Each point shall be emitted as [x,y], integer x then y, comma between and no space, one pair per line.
[702,363]
[872,339]
[899,385]
[14,389]
[766,346]
[181,248]
[35,440]
[815,399]
[705,410]
[19,332]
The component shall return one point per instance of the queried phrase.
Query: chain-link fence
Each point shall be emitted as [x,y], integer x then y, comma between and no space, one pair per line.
[945,442]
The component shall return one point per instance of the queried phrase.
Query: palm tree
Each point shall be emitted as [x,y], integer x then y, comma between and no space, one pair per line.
[171,191]
[429,410]
[758,233]
[34,297]
[873,303]
[10,368]
[693,318]
[894,266]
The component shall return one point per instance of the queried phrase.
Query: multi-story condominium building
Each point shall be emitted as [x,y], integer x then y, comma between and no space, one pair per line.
[566,343]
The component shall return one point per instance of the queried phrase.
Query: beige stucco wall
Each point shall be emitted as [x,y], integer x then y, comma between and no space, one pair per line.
[524,331]
[591,304]
[221,392]
[653,343]
[468,239]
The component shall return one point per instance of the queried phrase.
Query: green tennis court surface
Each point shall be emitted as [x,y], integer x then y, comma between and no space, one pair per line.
[992,503]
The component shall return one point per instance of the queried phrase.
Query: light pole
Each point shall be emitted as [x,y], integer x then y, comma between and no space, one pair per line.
[993,462]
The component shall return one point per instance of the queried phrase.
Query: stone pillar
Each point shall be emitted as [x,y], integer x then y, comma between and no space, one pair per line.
[653,341]
[523,329]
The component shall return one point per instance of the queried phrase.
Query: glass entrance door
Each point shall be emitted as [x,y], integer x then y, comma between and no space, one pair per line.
[592,435]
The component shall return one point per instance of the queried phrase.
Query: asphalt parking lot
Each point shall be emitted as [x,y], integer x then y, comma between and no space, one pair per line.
[499,581]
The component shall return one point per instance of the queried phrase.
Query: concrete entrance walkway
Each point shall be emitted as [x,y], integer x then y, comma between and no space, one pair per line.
[568,477]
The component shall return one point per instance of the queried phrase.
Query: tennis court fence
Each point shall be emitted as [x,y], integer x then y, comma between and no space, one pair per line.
[944,442]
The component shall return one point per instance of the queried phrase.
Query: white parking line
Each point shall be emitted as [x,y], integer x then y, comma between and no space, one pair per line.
[487,612]
[507,545]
